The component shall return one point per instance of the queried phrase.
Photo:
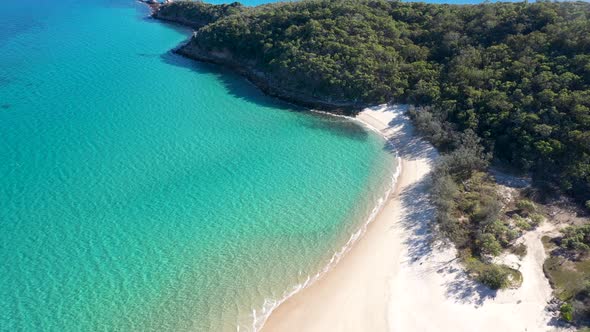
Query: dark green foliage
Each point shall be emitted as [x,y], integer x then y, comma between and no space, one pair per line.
[196,14]
[466,159]
[516,74]
[566,312]
[489,245]
[439,132]
[576,238]
[494,277]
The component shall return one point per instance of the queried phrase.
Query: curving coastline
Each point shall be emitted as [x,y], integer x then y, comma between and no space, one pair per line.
[377,282]
[264,83]
[394,278]
[354,295]
[260,317]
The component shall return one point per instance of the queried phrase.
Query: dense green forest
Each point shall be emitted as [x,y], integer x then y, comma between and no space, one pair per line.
[195,14]
[517,74]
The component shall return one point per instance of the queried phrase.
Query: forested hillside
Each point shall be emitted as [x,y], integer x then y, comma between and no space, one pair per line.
[517,74]
[195,14]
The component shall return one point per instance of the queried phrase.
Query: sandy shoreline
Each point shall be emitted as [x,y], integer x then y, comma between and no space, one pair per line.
[394,280]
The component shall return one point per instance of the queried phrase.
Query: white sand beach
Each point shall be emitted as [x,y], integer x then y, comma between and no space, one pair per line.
[393,279]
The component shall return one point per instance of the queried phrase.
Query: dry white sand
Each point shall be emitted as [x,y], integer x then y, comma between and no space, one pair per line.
[393,279]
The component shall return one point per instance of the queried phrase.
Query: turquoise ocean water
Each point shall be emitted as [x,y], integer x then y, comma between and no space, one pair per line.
[140,191]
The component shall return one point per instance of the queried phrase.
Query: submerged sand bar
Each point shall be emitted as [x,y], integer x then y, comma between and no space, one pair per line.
[394,280]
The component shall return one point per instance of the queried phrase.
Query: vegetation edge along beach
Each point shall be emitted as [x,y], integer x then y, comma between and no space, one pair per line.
[506,84]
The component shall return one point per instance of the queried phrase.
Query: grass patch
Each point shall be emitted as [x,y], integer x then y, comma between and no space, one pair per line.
[547,243]
[495,276]
[567,277]
[519,250]
[568,272]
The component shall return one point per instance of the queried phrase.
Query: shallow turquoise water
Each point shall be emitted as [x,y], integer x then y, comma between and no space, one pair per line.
[141,191]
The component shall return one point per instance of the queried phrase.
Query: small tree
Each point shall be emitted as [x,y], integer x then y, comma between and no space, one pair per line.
[576,238]
[526,206]
[567,312]
[494,277]
[490,245]
[462,162]
[536,219]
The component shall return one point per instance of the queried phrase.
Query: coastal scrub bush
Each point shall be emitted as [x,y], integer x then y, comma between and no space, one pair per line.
[488,211]
[469,157]
[493,276]
[588,204]
[489,245]
[566,312]
[512,234]
[526,207]
[521,222]
[444,191]
[536,219]
[576,238]
[439,132]
[500,231]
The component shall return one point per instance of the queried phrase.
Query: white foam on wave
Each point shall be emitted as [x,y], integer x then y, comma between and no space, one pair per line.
[259,317]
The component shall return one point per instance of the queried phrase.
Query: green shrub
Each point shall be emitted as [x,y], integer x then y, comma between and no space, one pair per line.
[567,312]
[511,234]
[576,238]
[500,231]
[521,223]
[536,219]
[526,206]
[493,276]
[588,204]
[489,245]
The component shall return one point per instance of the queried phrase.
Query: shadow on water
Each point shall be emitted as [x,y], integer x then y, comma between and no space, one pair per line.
[338,126]
[148,55]
[235,85]
[240,88]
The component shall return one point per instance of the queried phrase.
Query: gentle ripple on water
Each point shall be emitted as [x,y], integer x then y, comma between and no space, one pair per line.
[153,193]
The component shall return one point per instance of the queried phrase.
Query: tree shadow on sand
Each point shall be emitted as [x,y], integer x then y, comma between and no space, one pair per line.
[409,145]
[420,242]
[418,223]
[463,289]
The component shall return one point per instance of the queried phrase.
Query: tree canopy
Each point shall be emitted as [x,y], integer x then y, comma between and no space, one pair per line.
[516,74]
